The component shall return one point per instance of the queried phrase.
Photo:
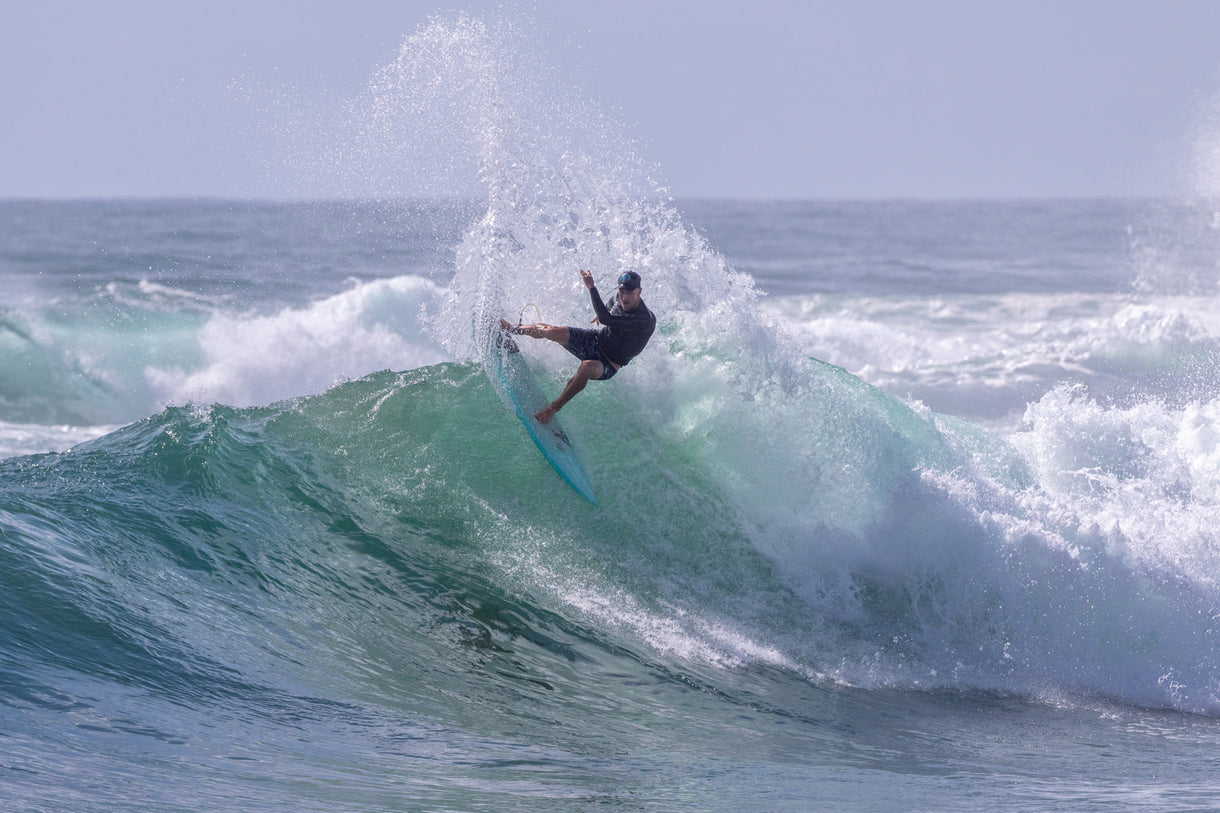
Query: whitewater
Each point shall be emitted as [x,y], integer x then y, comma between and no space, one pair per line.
[907,505]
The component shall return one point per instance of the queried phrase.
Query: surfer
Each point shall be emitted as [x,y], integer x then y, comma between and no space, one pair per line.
[626,326]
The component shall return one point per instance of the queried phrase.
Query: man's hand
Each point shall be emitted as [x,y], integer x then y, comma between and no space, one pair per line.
[587,279]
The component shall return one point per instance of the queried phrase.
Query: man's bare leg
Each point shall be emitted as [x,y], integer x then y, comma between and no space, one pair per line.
[555,333]
[586,371]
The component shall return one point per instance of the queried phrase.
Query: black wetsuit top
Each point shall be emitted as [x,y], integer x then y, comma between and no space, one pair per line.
[624,333]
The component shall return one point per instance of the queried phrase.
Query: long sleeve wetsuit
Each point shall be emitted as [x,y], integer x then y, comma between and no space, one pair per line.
[624,333]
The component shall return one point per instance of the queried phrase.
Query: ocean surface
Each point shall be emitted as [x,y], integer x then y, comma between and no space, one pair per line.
[909,505]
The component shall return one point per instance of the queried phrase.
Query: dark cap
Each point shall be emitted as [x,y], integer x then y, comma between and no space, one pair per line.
[629,280]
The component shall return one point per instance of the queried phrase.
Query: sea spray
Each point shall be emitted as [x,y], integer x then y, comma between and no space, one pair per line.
[563,189]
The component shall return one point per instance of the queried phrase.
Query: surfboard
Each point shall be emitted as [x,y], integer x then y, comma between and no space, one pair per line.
[523,391]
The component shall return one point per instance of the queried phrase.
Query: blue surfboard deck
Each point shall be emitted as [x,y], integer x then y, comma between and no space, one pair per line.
[522,388]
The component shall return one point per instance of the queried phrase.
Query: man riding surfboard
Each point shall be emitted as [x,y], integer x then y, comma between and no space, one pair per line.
[626,326]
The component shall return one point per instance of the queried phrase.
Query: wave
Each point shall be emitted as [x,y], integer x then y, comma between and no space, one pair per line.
[254,359]
[881,547]
[125,351]
[985,357]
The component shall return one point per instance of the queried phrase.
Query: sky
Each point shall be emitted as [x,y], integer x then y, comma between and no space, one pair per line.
[749,99]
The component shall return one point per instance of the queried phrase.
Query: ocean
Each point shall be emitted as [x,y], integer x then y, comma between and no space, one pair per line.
[908,505]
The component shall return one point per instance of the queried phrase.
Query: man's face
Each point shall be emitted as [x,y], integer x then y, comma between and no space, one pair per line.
[629,299]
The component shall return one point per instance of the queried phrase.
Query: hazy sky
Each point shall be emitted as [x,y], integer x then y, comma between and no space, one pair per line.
[758,98]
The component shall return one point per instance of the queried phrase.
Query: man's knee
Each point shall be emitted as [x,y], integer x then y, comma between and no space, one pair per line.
[590,370]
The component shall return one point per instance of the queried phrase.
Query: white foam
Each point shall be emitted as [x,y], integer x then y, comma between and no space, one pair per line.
[1145,478]
[18,439]
[985,357]
[253,360]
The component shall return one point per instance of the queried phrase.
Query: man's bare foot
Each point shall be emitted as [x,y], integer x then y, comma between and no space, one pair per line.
[533,331]
[545,415]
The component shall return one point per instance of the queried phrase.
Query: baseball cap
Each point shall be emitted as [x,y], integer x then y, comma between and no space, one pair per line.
[629,280]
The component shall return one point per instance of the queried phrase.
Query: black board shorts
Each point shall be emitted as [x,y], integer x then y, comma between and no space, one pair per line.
[585,344]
